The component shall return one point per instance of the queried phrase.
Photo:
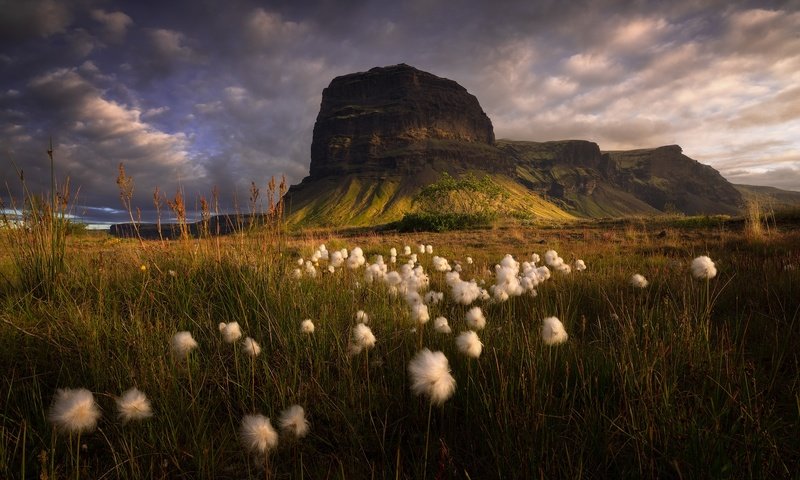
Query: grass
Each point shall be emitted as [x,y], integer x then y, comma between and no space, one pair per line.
[671,381]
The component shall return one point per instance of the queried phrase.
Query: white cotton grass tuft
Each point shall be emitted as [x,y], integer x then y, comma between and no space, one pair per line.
[469,260]
[553,332]
[183,343]
[580,265]
[469,344]
[362,317]
[133,405]
[406,250]
[430,376]
[419,313]
[362,339]
[703,268]
[293,421]
[257,434]
[440,325]
[251,347]
[475,319]
[74,410]
[231,332]
[638,281]
[428,248]
[307,326]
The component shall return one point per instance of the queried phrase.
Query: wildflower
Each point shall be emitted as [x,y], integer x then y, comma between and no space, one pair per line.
[553,332]
[406,250]
[419,313]
[440,325]
[143,268]
[257,434]
[74,410]
[183,343]
[428,248]
[430,376]
[293,421]
[475,319]
[392,252]
[133,405]
[703,268]
[300,262]
[580,265]
[172,273]
[638,281]
[469,260]
[362,339]
[251,347]
[362,317]
[469,344]
[356,258]
[231,332]
[307,326]
[421,248]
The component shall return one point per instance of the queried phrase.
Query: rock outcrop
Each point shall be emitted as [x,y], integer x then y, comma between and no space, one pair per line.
[397,119]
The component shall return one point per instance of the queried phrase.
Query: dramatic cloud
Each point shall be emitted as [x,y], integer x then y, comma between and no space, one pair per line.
[202,96]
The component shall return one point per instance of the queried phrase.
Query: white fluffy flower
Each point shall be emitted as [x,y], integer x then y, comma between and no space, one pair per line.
[469,260]
[406,250]
[257,434]
[133,405]
[428,248]
[475,319]
[469,344]
[419,313]
[183,343]
[362,338]
[293,421]
[430,376]
[362,317]
[440,325]
[307,326]
[703,268]
[74,410]
[231,332]
[553,332]
[251,347]
[580,265]
[638,281]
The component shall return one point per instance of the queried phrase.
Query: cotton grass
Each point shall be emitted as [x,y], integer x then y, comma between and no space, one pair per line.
[74,410]
[231,332]
[251,347]
[183,343]
[553,332]
[293,421]
[133,405]
[257,434]
[440,325]
[703,268]
[430,376]
[469,344]
[638,281]
[307,326]
[475,319]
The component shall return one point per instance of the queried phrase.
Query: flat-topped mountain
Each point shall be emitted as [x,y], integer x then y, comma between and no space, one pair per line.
[383,135]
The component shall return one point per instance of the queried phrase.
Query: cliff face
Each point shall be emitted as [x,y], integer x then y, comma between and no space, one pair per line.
[382,135]
[398,118]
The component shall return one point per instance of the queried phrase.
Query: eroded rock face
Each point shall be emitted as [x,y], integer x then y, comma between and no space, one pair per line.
[395,117]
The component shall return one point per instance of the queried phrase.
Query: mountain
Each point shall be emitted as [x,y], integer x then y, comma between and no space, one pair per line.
[383,135]
[770,197]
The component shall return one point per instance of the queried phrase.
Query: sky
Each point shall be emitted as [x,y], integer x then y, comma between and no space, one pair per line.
[200,94]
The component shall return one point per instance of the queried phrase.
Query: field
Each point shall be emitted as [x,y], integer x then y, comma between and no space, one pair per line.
[683,378]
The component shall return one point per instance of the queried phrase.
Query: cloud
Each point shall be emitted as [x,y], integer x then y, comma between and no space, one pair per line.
[115,24]
[33,18]
[93,134]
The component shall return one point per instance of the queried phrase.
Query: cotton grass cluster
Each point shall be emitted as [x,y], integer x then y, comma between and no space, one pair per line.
[183,343]
[307,326]
[553,332]
[133,405]
[257,434]
[475,319]
[430,376]
[638,281]
[469,344]
[293,421]
[362,339]
[74,410]
[231,332]
[703,268]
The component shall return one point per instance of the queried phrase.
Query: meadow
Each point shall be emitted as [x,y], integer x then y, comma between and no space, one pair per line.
[685,377]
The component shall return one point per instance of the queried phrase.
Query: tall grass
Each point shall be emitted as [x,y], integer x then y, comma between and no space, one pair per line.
[648,384]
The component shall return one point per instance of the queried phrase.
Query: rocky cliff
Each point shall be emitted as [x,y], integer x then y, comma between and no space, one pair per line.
[382,135]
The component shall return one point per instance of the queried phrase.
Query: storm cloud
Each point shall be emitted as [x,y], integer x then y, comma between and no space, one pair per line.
[198,94]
